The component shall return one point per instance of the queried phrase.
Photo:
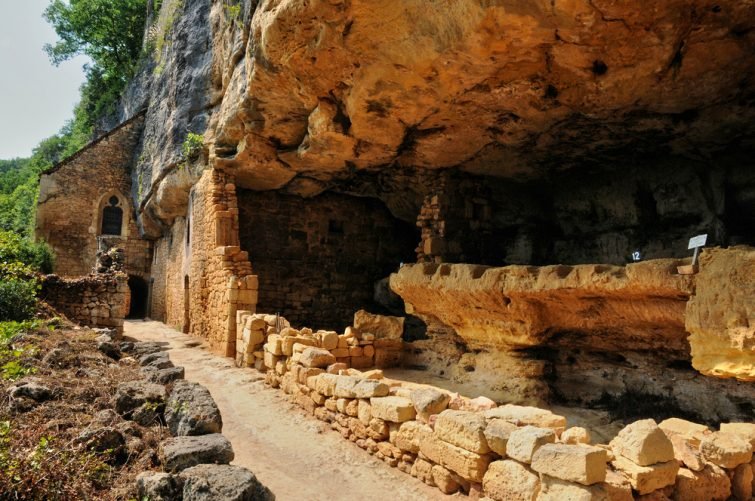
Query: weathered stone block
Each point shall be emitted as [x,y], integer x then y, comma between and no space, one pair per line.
[467,464]
[463,429]
[497,434]
[381,326]
[410,434]
[646,479]
[316,357]
[183,452]
[510,481]
[726,450]
[524,415]
[709,484]
[429,401]
[644,443]
[395,409]
[741,482]
[575,435]
[524,442]
[583,464]
[742,430]
[556,489]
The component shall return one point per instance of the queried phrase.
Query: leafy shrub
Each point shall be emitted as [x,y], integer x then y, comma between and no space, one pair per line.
[18,299]
[16,249]
[192,145]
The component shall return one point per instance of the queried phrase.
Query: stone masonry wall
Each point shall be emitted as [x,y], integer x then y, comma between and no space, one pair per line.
[71,198]
[94,301]
[318,259]
[219,274]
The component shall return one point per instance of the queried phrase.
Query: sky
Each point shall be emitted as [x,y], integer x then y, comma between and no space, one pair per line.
[36,98]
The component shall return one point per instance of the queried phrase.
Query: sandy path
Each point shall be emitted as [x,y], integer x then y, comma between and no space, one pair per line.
[295,455]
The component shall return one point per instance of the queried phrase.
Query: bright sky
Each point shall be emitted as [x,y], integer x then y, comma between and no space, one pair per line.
[36,98]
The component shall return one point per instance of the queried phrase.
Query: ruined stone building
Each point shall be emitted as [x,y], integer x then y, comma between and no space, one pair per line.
[340,143]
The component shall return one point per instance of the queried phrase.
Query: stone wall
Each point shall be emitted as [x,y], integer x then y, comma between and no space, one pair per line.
[318,259]
[73,195]
[202,251]
[474,446]
[92,301]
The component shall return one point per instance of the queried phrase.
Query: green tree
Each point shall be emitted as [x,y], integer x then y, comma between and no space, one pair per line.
[110,33]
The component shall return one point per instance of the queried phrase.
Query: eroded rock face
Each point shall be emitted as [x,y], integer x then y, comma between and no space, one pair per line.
[520,306]
[721,315]
[325,87]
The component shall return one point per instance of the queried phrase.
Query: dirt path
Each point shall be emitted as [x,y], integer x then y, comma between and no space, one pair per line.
[295,455]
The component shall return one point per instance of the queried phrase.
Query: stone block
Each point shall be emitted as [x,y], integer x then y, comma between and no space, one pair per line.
[382,326]
[583,464]
[524,442]
[362,362]
[497,434]
[463,429]
[644,443]
[316,357]
[575,435]
[711,483]
[646,479]
[344,386]
[524,415]
[364,411]
[368,388]
[726,449]
[274,345]
[410,434]
[742,430]
[508,480]
[445,480]
[395,409]
[340,352]
[329,340]
[741,482]
[556,489]
[288,342]
[467,464]
[429,401]
[180,453]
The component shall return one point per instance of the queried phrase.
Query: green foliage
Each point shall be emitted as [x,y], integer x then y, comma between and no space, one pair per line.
[18,299]
[17,249]
[110,33]
[192,146]
[232,11]
[158,36]
[12,359]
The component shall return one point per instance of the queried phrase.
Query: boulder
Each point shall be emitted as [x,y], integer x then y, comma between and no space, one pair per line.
[709,484]
[165,376]
[497,434]
[429,401]
[157,486]
[382,326]
[179,453]
[646,479]
[508,480]
[102,440]
[726,449]
[394,409]
[134,394]
[159,360]
[524,442]
[644,443]
[208,482]
[31,390]
[368,388]
[524,415]
[467,464]
[445,480]
[144,348]
[110,349]
[583,464]
[316,357]
[191,410]
[463,429]
[685,437]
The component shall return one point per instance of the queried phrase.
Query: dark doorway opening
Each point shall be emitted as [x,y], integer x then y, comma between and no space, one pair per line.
[139,293]
[187,315]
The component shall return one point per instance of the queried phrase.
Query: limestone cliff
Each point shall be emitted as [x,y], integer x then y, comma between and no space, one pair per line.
[653,105]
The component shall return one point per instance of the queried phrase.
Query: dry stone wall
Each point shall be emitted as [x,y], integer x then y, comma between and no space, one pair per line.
[92,301]
[481,449]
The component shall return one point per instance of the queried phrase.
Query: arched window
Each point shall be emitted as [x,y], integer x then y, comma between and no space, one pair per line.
[112,217]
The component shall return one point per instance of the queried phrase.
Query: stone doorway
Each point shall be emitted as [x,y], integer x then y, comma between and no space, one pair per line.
[139,295]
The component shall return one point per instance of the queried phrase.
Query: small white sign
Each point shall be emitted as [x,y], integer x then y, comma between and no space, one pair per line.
[698,241]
